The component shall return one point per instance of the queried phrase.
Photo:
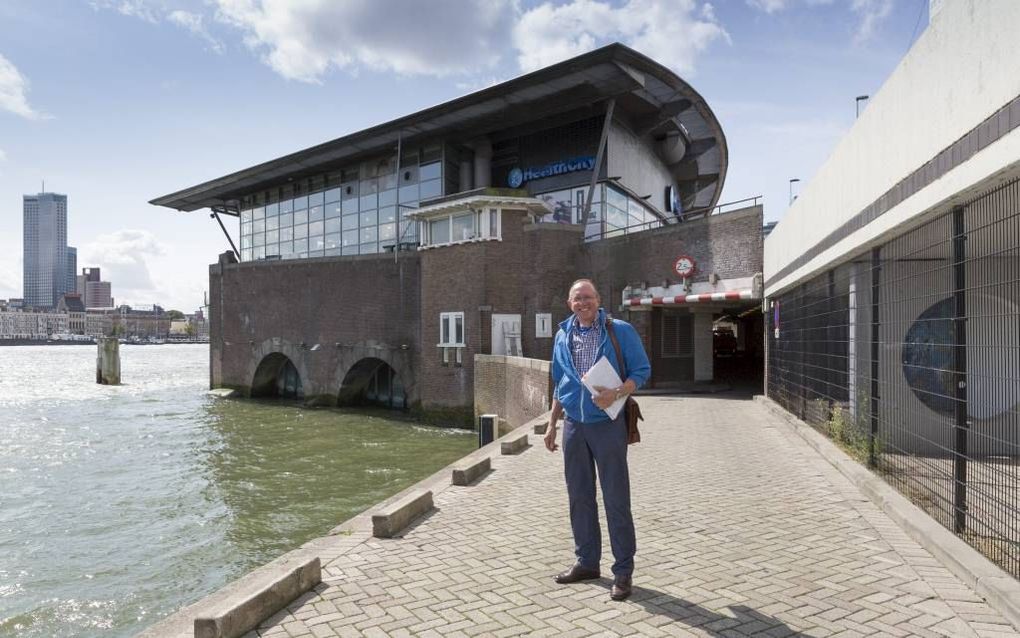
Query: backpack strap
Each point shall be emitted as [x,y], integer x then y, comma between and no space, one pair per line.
[616,346]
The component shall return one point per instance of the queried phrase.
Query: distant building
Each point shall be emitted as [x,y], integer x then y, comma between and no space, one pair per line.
[45,249]
[72,269]
[31,324]
[94,292]
[71,303]
[144,322]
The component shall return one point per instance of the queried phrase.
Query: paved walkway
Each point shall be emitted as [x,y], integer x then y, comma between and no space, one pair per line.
[742,531]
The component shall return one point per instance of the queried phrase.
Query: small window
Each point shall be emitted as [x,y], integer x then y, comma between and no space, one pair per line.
[451,329]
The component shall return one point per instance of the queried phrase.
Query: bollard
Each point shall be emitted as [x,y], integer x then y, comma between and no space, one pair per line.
[108,361]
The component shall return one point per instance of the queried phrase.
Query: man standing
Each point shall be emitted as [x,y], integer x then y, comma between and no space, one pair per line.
[591,440]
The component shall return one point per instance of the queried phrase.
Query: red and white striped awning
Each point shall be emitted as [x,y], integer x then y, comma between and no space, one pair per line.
[707,297]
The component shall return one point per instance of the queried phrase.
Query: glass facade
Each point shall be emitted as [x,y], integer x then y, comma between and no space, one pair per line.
[359,210]
[613,212]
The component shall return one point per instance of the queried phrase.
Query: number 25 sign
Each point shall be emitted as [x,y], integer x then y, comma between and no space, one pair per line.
[684,266]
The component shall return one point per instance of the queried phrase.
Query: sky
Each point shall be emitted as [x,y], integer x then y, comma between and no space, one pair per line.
[115,102]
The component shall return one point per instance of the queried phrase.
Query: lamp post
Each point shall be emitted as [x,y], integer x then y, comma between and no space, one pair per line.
[795,179]
[860,98]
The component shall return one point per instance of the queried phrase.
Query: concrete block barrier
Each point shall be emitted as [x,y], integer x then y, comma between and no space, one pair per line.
[514,446]
[465,474]
[541,428]
[258,595]
[389,521]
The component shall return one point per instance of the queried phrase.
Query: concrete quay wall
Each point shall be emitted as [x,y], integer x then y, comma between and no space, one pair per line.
[516,388]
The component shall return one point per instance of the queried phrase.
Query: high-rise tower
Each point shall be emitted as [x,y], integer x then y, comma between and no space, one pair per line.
[45,249]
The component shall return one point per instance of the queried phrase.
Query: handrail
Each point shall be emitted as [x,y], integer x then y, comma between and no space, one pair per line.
[695,213]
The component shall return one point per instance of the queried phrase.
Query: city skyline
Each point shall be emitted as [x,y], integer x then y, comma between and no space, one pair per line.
[146,97]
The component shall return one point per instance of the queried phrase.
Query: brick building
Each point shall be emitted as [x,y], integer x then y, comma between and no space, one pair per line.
[376,266]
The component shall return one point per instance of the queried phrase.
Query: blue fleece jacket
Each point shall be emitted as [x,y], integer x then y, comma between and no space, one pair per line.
[577,402]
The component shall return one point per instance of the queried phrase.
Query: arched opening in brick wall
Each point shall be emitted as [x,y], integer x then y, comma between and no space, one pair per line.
[277,376]
[372,381]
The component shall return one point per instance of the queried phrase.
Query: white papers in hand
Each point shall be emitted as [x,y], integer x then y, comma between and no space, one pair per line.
[604,375]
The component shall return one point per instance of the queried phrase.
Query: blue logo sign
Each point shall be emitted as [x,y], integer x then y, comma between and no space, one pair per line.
[515,178]
[518,176]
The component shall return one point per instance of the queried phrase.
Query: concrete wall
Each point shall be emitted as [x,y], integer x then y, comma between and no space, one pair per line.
[635,161]
[960,71]
[515,388]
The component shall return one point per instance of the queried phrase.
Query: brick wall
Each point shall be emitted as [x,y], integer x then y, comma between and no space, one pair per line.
[515,388]
[352,308]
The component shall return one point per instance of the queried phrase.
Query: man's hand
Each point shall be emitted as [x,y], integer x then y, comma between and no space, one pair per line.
[550,438]
[605,397]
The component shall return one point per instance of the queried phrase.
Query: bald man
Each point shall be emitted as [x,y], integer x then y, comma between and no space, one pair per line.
[592,441]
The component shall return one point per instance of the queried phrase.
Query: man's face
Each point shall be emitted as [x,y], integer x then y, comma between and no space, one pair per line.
[584,302]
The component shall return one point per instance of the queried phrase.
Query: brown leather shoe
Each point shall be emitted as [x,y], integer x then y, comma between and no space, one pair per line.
[576,574]
[621,588]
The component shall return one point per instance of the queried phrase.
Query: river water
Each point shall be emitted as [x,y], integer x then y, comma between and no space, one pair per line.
[119,505]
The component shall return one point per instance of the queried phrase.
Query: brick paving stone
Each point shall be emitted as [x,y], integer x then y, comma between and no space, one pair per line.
[743,530]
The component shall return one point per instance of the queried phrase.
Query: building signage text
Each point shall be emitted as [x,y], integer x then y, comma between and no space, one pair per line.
[519,176]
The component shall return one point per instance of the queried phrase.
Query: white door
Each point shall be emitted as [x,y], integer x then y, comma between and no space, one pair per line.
[506,335]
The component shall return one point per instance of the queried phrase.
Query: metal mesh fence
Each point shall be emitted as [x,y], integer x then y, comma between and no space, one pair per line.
[908,356]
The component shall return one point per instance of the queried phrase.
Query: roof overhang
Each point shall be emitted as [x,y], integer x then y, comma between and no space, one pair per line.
[653,98]
[481,201]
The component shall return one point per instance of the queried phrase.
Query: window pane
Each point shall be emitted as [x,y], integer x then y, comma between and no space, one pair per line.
[349,206]
[493,223]
[369,234]
[464,227]
[408,193]
[272,249]
[349,238]
[369,218]
[331,252]
[429,171]
[333,241]
[300,231]
[332,195]
[316,199]
[258,226]
[286,206]
[388,214]
[444,320]
[300,245]
[287,248]
[332,209]
[387,231]
[459,321]
[349,221]
[286,234]
[300,202]
[388,197]
[272,209]
[368,201]
[246,254]
[286,220]
[301,217]
[314,228]
[316,243]
[439,231]
[258,213]
[350,250]
[315,213]
[245,216]
[258,239]
[368,249]
[333,225]
[272,236]
[349,191]
[431,188]
[272,223]
[259,252]
[245,229]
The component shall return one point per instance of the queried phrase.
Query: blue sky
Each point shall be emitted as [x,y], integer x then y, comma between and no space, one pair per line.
[114,102]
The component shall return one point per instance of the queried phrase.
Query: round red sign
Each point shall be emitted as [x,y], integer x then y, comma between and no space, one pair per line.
[684,266]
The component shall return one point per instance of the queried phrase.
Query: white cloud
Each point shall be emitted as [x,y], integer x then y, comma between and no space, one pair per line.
[123,256]
[142,9]
[193,23]
[768,6]
[671,32]
[304,40]
[13,87]
[3,155]
[871,13]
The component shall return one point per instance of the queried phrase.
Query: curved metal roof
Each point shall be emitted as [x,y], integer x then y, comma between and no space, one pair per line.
[654,101]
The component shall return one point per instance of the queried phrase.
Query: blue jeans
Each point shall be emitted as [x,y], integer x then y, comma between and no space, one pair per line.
[588,447]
